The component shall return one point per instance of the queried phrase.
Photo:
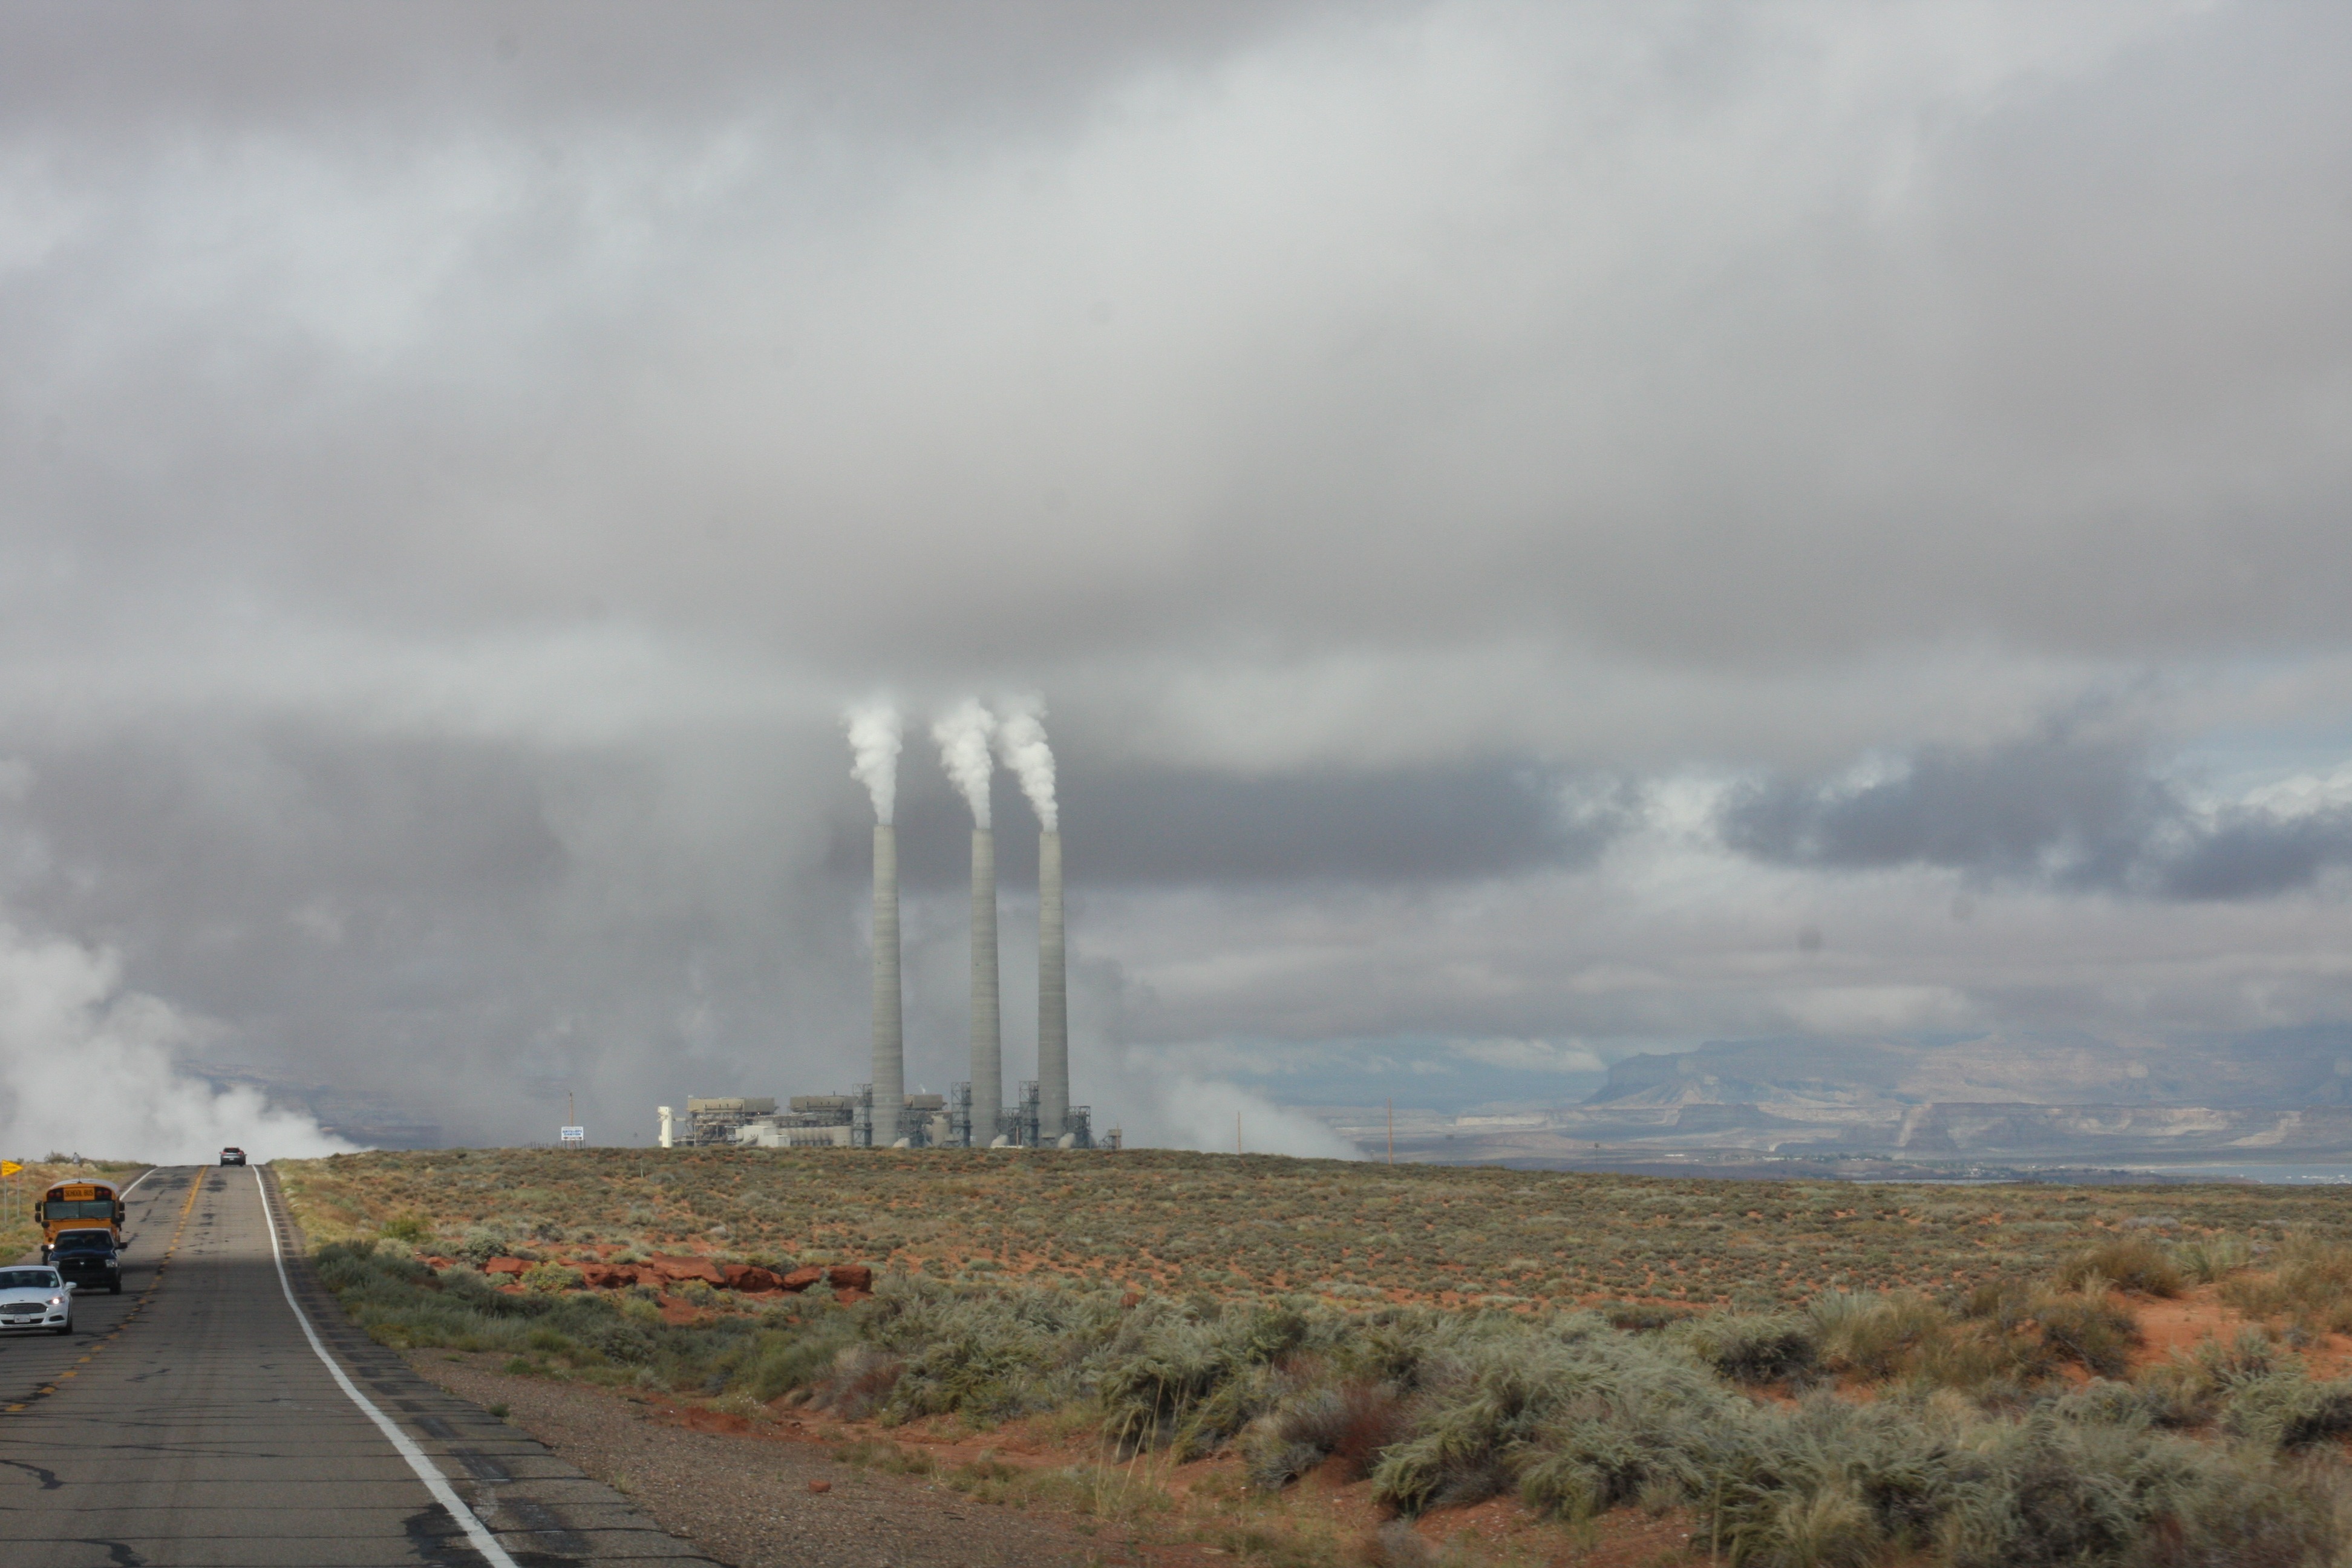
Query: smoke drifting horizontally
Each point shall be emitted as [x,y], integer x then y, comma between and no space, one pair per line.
[1020,740]
[87,1065]
[874,737]
[964,736]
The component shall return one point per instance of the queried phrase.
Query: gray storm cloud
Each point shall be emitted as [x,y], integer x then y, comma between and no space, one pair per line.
[2080,813]
[458,456]
[1902,269]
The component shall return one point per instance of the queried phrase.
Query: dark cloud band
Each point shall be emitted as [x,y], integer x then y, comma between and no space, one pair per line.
[1137,825]
[2087,814]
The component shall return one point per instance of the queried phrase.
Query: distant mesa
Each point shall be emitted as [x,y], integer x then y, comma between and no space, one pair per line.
[2277,1097]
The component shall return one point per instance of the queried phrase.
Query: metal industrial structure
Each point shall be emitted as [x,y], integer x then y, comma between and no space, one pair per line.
[846,1121]
[714,1121]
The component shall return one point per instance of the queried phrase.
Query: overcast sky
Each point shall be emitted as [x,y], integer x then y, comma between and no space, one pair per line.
[1543,531]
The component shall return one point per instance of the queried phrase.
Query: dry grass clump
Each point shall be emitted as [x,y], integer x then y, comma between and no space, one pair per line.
[1753,1349]
[2311,1287]
[2131,1263]
[860,1382]
[1348,1424]
[2208,1259]
[1878,1337]
[2007,1335]
[2091,1330]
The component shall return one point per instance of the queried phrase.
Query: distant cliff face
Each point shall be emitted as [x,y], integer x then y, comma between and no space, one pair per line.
[1755,1072]
[2284,1097]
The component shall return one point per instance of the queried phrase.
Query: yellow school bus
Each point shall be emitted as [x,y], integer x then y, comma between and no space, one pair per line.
[79,1205]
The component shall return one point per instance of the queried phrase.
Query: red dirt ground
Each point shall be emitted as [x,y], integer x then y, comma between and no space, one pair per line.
[2176,1327]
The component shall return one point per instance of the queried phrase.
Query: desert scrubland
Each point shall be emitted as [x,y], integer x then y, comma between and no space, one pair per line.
[1316,1361]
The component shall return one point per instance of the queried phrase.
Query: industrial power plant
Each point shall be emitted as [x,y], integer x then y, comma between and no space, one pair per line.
[972,1114]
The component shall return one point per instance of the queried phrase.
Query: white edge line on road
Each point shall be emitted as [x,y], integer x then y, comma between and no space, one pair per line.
[435,1481]
[130,1189]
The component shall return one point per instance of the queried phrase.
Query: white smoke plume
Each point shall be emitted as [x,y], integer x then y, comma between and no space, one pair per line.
[1160,1111]
[88,1068]
[964,736]
[874,739]
[1021,742]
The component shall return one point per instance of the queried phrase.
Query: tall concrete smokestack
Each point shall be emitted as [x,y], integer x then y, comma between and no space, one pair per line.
[874,739]
[964,736]
[1053,996]
[1020,739]
[987,1028]
[889,1036]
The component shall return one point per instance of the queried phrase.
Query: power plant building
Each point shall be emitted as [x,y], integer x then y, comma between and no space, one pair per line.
[880,1114]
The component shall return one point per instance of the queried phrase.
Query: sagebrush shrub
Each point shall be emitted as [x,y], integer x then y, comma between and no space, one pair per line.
[2210,1259]
[1351,1421]
[2132,1263]
[1752,1349]
[2288,1410]
[2312,1286]
[2090,1331]
[1877,1336]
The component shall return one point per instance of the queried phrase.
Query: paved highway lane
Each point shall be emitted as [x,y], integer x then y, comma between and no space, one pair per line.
[194,1419]
[31,1362]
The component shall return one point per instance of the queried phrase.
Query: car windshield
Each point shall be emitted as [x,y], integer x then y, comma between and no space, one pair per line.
[85,1241]
[28,1279]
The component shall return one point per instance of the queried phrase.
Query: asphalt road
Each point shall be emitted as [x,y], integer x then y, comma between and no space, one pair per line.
[192,1419]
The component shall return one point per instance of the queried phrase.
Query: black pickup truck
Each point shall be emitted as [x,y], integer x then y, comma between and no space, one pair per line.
[88,1259]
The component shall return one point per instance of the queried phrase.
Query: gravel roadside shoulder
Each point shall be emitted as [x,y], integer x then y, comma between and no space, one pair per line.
[747,1497]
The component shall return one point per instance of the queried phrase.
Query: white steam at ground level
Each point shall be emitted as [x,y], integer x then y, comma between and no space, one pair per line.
[1156,1110]
[88,1068]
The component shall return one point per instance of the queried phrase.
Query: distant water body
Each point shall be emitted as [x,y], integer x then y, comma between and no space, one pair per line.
[2278,1175]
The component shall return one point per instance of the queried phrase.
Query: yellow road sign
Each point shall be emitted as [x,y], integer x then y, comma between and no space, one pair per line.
[9,1167]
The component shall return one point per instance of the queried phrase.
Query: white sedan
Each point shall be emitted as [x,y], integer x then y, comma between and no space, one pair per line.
[36,1299]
